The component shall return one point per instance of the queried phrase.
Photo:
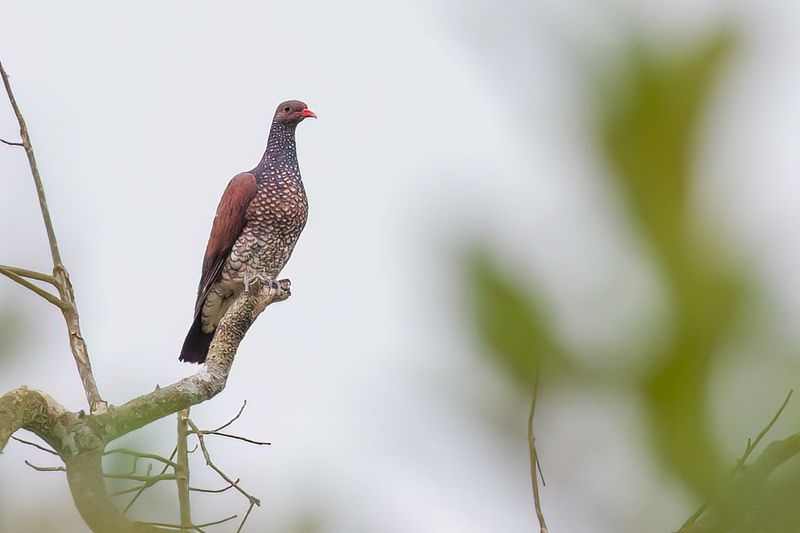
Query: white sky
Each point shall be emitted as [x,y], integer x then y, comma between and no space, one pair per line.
[381,413]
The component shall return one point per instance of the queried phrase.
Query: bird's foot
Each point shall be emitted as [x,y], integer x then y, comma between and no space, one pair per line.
[268,281]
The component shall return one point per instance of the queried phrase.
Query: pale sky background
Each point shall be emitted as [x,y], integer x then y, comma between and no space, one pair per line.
[438,122]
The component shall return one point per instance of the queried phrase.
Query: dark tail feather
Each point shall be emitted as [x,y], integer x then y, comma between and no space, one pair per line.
[195,347]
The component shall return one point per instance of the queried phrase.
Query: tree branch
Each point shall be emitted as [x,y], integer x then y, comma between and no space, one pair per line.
[80,439]
[87,485]
[29,443]
[237,437]
[182,471]
[207,382]
[53,299]
[210,463]
[32,274]
[46,468]
[26,142]
[67,296]
[215,491]
[534,458]
[232,420]
[134,453]
[141,489]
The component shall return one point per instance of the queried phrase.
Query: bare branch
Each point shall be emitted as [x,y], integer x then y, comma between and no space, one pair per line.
[53,299]
[751,445]
[142,488]
[246,516]
[80,353]
[207,382]
[137,477]
[140,455]
[218,431]
[216,469]
[196,527]
[80,439]
[237,437]
[32,274]
[213,491]
[29,443]
[534,457]
[46,468]
[182,470]
[67,296]
[26,142]
[11,143]
[151,480]
[232,420]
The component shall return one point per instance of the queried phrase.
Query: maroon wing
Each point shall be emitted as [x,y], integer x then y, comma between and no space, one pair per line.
[228,224]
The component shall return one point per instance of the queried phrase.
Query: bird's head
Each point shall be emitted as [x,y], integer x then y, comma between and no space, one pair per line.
[293,112]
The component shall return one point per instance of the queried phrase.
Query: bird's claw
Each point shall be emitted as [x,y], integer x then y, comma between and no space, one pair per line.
[268,281]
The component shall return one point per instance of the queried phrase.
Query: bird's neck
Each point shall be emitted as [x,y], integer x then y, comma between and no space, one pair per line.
[281,149]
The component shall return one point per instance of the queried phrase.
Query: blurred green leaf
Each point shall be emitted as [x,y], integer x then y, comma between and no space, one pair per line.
[707,301]
[647,126]
[510,320]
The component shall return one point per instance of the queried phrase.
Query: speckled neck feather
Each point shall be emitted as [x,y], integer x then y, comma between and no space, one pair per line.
[281,148]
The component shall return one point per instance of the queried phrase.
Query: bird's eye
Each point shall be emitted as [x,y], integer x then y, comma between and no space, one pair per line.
[287,108]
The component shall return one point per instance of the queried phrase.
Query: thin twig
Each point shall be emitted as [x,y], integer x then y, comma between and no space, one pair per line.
[26,141]
[213,491]
[52,298]
[237,437]
[214,467]
[46,468]
[222,521]
[143,487]
[193,526]
[11,143]
[29,443]
[751,446]
[151,480]
[246,516]
[32,274]
[141,455]
[534,457]
[135,477]
[66,294]
[232,420]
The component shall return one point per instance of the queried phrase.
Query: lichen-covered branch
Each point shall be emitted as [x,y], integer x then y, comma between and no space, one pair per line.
[24,408]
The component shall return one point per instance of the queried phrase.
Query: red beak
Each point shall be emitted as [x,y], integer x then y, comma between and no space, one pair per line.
[305,113]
